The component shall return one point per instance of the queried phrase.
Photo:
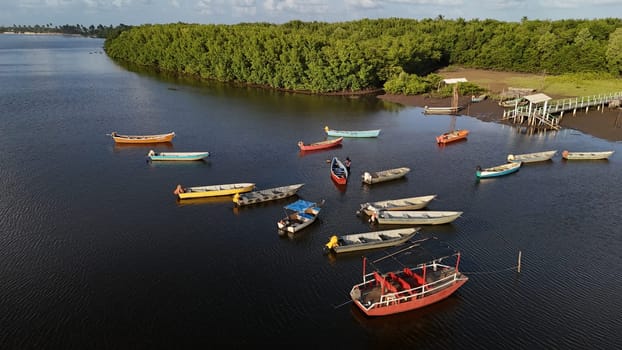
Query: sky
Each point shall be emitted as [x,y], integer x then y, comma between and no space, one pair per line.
[137,12]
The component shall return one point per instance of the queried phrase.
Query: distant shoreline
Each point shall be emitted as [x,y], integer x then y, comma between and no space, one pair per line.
[605,124]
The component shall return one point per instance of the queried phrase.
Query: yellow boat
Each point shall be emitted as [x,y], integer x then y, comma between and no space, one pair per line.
[119,138]
[212,190]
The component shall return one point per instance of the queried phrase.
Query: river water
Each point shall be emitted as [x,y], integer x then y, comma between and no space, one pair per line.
[96,252]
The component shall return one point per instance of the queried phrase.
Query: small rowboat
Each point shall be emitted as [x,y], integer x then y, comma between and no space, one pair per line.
[532,157]
[513,103]
[212,190]
[408,217]
[384,175]
[269,194]
[411,203]
[498,170]
[352,133]
[320,145]
[179,156]
[370,240]
[408,288]
[452,136]
[338,171]
[480,98]
[441,110]
[586,155]
[119,138]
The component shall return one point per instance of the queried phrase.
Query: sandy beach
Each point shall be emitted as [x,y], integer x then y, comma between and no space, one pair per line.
[605,124]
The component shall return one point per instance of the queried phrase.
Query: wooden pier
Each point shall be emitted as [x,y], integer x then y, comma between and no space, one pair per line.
[543,112]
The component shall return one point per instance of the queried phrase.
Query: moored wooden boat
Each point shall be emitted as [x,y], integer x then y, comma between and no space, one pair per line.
[384,175]
[441,110]
[532,157]
[269,194]
[212,190]
[480,98]
[408,288]
[352,133]
[452,136]
[586,155]
[120,138]
[410,217]
[410,203]
[513,102]
[176,156]
[299,215]
[370,240]
[320,144]
[338,171]
[498,170]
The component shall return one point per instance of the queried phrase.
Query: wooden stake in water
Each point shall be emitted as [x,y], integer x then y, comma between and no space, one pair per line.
[519,258]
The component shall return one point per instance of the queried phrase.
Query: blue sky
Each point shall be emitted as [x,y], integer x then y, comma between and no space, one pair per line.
[136,12]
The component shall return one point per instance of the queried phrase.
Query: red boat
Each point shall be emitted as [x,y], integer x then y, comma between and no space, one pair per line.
[320,145]
[407,289]
[338,171]
[452,136]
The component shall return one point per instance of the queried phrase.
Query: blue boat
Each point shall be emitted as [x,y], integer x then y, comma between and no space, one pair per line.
[498,170]
[352,133]
[299,215]
[152,155]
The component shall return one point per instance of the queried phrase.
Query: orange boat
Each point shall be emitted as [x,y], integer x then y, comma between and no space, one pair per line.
[452,136]
[338,171]
[119,138]
[320,145]
[409,288]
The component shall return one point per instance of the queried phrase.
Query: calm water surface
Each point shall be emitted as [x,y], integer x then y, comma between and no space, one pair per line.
[97,253]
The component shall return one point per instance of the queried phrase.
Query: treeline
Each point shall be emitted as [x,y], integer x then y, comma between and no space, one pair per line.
[98,31]
[395,54]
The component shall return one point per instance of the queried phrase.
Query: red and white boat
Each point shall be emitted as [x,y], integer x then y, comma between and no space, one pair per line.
[338,171]
[408,289]
[452,136]
[320,145]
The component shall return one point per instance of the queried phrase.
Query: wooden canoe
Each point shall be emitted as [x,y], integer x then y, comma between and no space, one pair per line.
[586,155]
[338,171]
[370,240]
[320,145]
[176,156]
[384,175]
[352,133]
[212,190]
[452,136]
[532,157]
[498,170]
[266,195]
[409,217]
[410,203]
[119,138]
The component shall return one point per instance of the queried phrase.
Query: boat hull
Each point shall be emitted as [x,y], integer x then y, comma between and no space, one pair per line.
[499,170]
[320,145]
[177,156]
[119,138]
[441,110]
[532,157]
[452,136]
[370,240]
[270,194]
[352,133]
[586,155]
[385,175]
[214,190]
[411,203]
[416,217]
[338,171]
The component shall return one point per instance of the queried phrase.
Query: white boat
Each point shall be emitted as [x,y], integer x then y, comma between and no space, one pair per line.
[269,194]
[299,215]
[499,170]
[370,240]
[586,155]
[410,203]
[441,110]
[384,175]
[176,156]
[410,217]
[532,157]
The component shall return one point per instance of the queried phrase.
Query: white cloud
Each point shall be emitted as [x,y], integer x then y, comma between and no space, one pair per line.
[297,6]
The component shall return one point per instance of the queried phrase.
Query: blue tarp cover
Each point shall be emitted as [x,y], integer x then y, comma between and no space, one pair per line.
[300,205]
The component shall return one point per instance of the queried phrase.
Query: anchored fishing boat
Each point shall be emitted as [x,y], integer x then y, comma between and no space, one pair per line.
[352,133]
[384,175]
[532,157]
[270,194]
[370,240]
[119,138]
[320,144]
[410,203]
[586,155]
